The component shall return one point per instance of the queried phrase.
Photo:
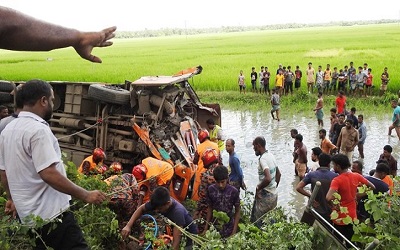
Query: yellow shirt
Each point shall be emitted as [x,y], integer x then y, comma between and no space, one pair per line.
[279,80]
[216,136]
[327,75]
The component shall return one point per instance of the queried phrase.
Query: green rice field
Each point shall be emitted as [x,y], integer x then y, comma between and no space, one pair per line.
[221,55]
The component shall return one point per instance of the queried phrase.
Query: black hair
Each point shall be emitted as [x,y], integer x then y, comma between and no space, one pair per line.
[294,131]
[160,197]
[220,173]
[232,141]
[353,109]
[362,117]
[350,121]
[324,160]
[322,131]
[210,121]
[260,140]
[388,148]
[382,161]
[341,160]
[359,164]
[371,172]
[34,90]
[317,151]
[19,104]
[2,107]
[382,168]
[334,110]
[299,137]
[342,115]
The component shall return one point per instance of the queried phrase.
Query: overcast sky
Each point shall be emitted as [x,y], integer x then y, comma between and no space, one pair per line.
[154,14]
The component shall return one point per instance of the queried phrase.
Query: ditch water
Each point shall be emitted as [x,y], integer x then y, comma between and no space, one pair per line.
[244,126]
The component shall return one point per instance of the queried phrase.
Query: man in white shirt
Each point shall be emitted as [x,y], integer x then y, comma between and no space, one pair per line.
[33,173]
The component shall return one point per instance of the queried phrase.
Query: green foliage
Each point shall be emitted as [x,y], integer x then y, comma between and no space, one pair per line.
[246,204]
[278,232]
[383,223]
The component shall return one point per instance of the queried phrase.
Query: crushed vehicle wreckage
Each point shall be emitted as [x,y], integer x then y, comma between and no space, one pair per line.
[156,116]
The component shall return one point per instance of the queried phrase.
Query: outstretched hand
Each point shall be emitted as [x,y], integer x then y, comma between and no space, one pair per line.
[89,40]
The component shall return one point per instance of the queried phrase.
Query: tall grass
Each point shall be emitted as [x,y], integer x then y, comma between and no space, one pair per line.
[221,55]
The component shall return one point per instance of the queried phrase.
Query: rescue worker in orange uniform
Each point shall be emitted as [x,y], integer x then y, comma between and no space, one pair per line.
[205,145]
[94,163]
[151,174]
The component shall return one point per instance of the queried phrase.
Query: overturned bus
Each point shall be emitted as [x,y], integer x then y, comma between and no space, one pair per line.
[156,116]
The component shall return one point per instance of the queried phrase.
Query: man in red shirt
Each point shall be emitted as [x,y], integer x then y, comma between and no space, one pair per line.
[345,184]
[341,103]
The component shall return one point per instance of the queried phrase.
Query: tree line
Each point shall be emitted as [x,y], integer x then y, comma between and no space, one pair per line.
[227,29]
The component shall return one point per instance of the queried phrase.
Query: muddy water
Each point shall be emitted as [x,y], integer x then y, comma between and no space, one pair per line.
[244,126]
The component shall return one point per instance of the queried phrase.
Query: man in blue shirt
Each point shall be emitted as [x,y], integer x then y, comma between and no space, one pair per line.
[236,175]
[323,175]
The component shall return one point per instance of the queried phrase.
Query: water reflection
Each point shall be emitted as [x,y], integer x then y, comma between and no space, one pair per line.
[244,126]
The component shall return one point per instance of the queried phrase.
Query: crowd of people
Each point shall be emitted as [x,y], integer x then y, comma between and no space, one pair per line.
[352,81]
[335,151]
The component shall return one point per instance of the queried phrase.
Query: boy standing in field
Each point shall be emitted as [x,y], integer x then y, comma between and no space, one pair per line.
[342,81]
[279,79]
[241,82]
[327,78]
[253,77]
[299,75]
[261,76]
[385,80]
[368,83]
[360,79]
[319,80]
[335,76]
[275,102]
[267,75]
[223,197]
[310,77]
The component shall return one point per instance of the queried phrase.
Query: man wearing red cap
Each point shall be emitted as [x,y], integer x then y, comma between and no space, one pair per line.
[151,174]
[205,143]
[93,164]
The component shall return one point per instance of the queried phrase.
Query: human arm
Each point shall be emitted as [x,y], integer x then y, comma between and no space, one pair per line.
[265,182]
[9,206]
[208,217]
[59,182]
[236,218]
[176,235]
[135,216]
[278,176]
[300,189]
[24,33]
[356,140]
[235,168]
